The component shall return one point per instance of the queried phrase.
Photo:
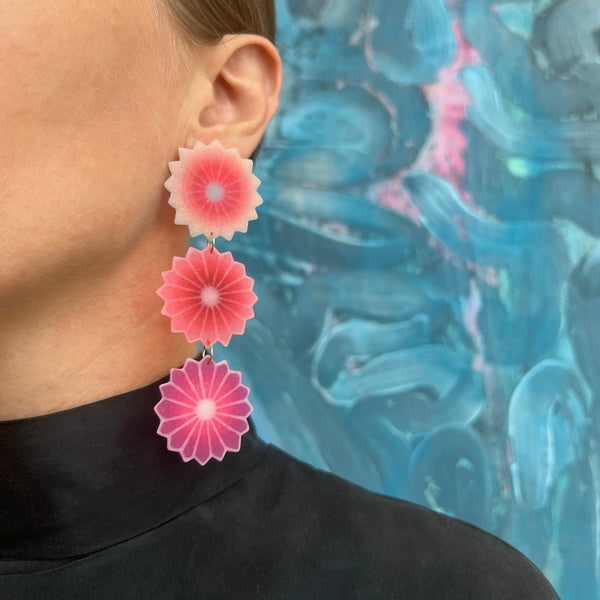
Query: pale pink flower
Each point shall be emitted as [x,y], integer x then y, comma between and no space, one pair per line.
[204,410]
[213,190]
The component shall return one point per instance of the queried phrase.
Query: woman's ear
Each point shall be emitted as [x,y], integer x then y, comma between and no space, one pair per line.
[245,74]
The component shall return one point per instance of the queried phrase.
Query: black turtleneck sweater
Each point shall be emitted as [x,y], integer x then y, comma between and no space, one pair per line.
[94,506]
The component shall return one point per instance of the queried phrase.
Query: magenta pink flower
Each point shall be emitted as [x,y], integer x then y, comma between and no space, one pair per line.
[208,296]
[203,410]
[213,190]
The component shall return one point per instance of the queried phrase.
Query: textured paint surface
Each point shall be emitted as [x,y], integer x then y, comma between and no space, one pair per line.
[427,264]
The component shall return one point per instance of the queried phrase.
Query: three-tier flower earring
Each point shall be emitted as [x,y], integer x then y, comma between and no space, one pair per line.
[204,407]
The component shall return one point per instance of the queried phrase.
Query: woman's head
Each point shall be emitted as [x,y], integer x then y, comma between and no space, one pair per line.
[96,99]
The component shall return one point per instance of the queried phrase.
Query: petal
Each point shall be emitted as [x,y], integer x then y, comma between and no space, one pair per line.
[221,370]
[178,438]
[167,428]
[231,439]
[236,394]
[191,370]
[167,409]
[217,448]
[170,392]
[234,378]
[238,424]
[180,381]
[175,280]
[238,409]
[202,452]
[189,448]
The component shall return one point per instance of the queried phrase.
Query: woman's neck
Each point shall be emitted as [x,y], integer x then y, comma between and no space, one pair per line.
[90,338]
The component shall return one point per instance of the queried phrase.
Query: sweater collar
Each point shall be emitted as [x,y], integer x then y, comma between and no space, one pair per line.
[82,479]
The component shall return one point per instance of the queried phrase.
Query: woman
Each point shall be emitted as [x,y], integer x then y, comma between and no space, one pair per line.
[97,98]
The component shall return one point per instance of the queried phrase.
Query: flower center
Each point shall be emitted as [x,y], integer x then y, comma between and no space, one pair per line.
[215,192]
[206,409]
[210,296]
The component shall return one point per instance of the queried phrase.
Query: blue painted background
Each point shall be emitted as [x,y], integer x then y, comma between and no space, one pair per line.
[428,266]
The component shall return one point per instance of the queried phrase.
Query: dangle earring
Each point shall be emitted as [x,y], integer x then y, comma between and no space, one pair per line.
[204,407]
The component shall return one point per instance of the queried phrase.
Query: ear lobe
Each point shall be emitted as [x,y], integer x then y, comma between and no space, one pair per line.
[245,92]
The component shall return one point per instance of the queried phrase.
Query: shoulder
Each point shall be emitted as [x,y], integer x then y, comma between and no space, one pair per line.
[388,547]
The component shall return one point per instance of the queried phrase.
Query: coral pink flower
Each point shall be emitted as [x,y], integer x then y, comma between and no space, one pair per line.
[203,410]
[213,190]
[208,296]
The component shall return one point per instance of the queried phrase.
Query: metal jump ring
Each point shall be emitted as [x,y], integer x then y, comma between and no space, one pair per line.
[204,351]
[211,241]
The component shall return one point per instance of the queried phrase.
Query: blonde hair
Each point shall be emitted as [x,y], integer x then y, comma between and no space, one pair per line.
[207,21]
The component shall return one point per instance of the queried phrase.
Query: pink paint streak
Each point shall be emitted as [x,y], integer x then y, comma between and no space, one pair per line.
[443,154]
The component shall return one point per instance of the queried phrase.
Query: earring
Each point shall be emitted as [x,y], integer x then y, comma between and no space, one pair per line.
[204,407]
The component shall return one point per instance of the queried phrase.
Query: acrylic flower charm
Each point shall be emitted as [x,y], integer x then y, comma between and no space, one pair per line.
[203,410]
[208,296]
[213,190]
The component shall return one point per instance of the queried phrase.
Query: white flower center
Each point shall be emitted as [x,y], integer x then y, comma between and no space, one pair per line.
[206,409]
[210,296]
[215,191]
